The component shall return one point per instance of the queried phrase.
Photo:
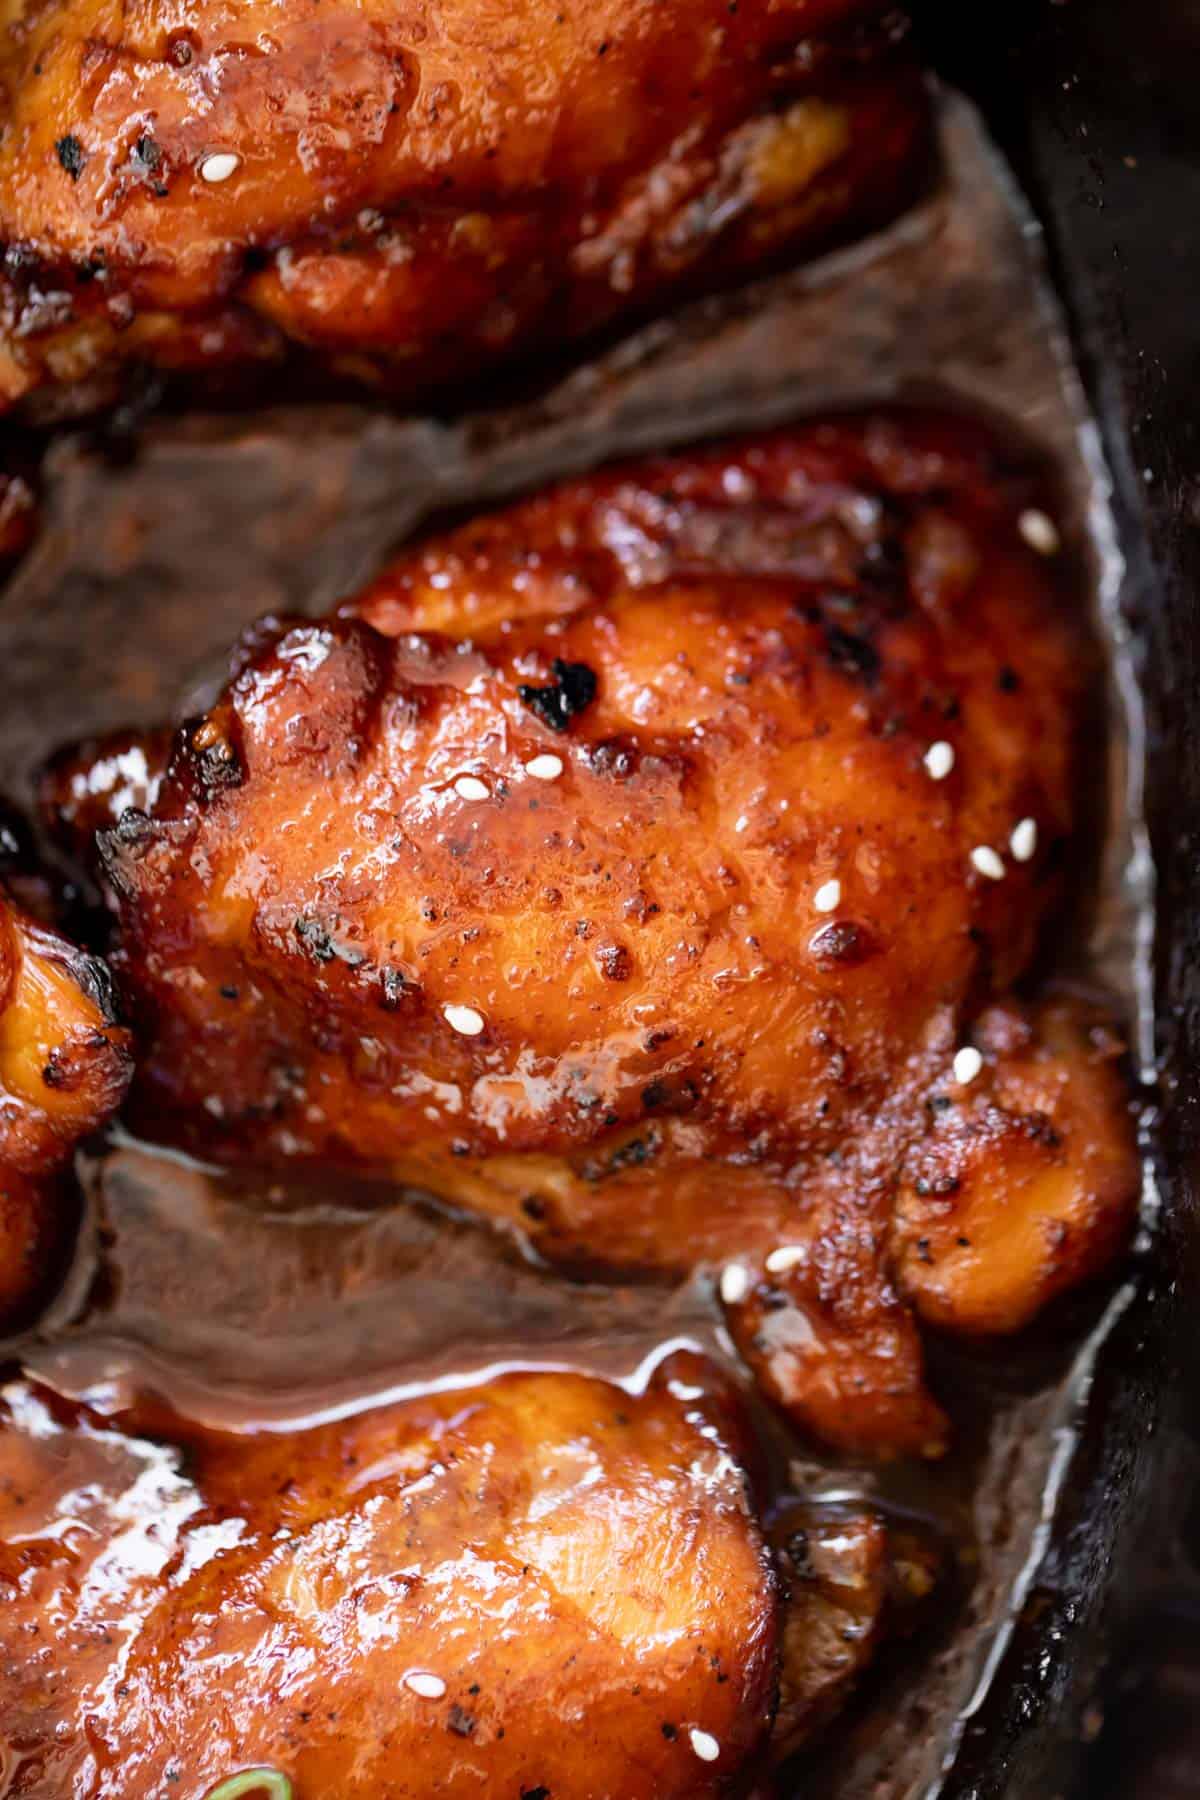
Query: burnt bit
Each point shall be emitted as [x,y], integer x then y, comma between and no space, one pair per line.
[71,155]
[395,986]
[614,961]
[639,907]
[670,1732]
[883,569]
[212,759]
[130,837]
[315,938]
[851,654]
[537,1793]
[630,1155]
[615,756]
[939,1185]
[94,977]
[146,160]
[460,1722]
[147,153]
[572,690]
[842,942]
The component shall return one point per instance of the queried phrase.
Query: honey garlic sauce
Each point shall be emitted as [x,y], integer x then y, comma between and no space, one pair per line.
[248,1303]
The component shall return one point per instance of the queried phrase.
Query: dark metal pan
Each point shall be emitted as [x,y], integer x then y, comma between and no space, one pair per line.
[1095,106]
[208,522]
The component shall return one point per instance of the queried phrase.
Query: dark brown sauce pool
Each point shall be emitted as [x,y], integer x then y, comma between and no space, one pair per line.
[250,1303]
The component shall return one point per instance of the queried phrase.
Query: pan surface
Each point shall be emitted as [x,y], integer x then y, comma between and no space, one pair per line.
[148,565]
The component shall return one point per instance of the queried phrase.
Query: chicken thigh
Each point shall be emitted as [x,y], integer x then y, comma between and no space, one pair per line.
[541,1586]
[64,1068]
[405,197]
[645,867]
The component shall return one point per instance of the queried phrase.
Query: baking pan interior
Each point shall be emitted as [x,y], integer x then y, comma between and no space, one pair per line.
[157,547]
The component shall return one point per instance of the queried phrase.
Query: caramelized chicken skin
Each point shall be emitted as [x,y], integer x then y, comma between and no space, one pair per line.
[544,1585]
[1018,1192]
[603,869]
[411,197]
[89,785]
[64,1068]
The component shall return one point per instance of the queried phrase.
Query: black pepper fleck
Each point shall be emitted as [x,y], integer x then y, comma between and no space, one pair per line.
[71,155]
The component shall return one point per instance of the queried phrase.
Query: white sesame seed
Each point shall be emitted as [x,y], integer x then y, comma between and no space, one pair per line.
[705,1745]
[1023,842]
[984,858]
[1039,531]
[429,1687]
[939,760]
[545,768]
[967,1064]
[464,1019]
[788,1256]
[735,1284]
[827,896]
[220,165]
[469,787]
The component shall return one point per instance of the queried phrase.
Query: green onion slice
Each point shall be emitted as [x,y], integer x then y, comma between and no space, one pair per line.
[272,1783]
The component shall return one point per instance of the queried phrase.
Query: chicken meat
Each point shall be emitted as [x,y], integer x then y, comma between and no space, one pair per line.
[648,867]
[405,198]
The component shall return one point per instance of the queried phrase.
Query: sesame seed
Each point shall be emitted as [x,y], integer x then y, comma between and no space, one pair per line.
[985,860]
[967,1064]
[1039,531]
[788,1256]
[705,1745]
[545,768]
[939,760]
[735,1284]
[827,896]
[464,1019]
[220,166]
[469,787]
[1023,842]
[429,1687]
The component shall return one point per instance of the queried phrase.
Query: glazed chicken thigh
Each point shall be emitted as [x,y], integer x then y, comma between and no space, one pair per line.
[405,197]
[64,1068]
[645,867]
[543,1585]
